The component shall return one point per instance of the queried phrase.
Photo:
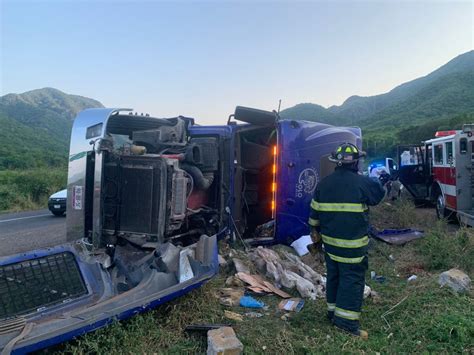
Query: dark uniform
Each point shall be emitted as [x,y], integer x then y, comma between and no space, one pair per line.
[339,213]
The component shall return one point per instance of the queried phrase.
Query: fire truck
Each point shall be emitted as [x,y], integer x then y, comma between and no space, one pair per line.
[440,172]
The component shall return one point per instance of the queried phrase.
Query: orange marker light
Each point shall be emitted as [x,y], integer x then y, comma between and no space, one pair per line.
[274,150]
[274,187]
[274,169]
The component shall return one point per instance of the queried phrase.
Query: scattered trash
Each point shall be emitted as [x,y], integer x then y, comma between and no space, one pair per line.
[234,316]
[456,280]
[391,257]
[250,302]
[233,281]
[286,317]
[222,261]
[223,341]
[259,285]
[230,296]
[399,236]
[412,278]
[203,327]
[185,269]
[377,278]
[292,304]
[240,266]
[253,315]
[301,244]
[289,271]
[367,291]
[265,230]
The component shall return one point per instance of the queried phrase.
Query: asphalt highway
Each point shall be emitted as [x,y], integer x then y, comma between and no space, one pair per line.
[25,231]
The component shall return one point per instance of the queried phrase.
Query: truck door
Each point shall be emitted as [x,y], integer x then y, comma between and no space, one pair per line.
[414,169]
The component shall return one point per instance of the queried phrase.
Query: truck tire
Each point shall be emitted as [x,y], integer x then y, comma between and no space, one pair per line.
[441,211]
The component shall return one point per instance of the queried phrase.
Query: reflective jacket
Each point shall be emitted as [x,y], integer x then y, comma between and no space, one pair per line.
[339,210]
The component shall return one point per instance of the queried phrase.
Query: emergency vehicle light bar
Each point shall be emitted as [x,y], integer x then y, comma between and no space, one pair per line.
[445,133]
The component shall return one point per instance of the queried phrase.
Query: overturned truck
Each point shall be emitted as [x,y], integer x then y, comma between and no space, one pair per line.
[148,199]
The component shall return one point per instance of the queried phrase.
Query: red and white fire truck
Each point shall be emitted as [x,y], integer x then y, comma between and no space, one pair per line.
[440,171]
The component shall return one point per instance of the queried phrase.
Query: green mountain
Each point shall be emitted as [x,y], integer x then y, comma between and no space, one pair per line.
[36,126]
[443,95]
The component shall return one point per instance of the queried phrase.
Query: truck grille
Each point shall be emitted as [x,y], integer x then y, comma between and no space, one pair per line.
[31,285]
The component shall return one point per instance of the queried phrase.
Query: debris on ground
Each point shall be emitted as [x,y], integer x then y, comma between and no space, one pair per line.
[377,278]
[233,281]
[230,296]
[288,271]
[253,314]
[301,245]
[233,316]
[240,266]
[223,341]
[222,261]
[456,279]
[259,285]
[250,302]
[399,236]
[292,304]
[367,291]
[265,230]
[412,278]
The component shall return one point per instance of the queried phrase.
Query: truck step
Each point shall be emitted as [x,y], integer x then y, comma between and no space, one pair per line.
[32,285]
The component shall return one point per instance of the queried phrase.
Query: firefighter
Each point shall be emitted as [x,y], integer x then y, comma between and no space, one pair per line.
[339,216]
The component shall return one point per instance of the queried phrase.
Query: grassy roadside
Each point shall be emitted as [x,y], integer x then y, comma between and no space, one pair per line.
[29,189]
[426,318]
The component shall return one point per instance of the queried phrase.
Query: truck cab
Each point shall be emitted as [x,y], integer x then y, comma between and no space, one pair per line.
[147,200]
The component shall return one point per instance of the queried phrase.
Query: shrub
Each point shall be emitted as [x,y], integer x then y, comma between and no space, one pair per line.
[29,189]
[442,250]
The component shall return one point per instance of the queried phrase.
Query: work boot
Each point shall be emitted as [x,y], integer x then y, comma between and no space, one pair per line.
[363,334]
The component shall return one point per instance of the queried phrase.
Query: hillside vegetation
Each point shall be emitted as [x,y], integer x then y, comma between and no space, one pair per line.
[443,97]
[34,144]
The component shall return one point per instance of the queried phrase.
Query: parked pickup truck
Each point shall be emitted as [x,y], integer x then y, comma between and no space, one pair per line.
[147,200]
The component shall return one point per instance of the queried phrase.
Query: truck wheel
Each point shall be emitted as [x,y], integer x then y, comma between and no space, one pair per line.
[440,207]
[442,212]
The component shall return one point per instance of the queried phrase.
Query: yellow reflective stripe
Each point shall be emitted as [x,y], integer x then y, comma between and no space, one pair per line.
[339,149]
[344,243]
[331,306]
[346,260]
[348,150]
[338,207]
[313,222]
[346,314]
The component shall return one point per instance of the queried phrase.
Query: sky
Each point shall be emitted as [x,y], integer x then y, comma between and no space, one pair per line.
[202,59]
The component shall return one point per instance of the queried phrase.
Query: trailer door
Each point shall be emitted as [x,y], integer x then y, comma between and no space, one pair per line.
[414,162]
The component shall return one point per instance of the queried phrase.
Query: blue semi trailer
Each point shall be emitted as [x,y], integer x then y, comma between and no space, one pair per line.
[148,199]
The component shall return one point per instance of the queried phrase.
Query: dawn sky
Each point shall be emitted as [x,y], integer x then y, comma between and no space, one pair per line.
[201,59]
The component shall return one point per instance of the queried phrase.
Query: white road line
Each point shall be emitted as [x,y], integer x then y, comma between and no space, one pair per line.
[17,219]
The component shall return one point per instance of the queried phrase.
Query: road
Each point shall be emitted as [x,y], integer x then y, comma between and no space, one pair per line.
[24,231]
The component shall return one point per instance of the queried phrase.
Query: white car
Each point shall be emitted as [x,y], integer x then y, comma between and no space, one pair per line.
[57,202]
